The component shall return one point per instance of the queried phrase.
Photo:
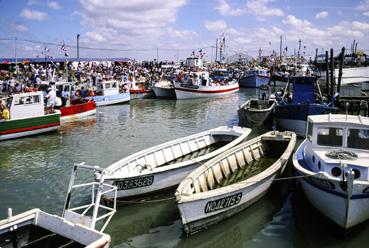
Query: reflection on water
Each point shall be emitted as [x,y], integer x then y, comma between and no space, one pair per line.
[34,172]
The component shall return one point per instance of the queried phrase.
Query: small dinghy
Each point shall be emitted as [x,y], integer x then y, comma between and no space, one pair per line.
[232,181]
[165,165]
[256,111]
[77,227]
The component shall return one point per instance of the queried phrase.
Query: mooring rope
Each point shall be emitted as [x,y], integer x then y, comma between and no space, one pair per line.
[146,201]
[173,197]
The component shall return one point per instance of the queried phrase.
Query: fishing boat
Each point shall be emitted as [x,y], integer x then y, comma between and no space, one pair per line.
[232,181]
[255,111]
[333,161]
[165,165]
[108,93]
[140,89]
[36,228]
[200,85]
[164,89]
[254,77]
[292,110]
[76,109]
[27,116]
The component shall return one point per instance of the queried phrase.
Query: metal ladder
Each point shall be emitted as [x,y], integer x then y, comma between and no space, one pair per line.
[98,188]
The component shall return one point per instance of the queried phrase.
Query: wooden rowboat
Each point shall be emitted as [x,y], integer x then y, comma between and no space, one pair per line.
[232,181]
[165,165]
[255,112]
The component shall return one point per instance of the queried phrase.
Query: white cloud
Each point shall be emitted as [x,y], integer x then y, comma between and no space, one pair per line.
[20,27]
[218,25]
[363,5]
[96,37]
[258,8]
[366,13]
[321,15]
[293,21]
[53,5]
[133,23]
[364,26]
[183,34]
[225,9]
[33,14]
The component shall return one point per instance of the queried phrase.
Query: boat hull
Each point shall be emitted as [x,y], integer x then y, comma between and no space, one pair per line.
[78,111]
[154,179]
[211,193]
[136,94]
[29,126]
[162,92]
[293,116]
[204,91]
[253,81]
[328,196]
[249,116]
[40,229]
[110,100]
[193,214]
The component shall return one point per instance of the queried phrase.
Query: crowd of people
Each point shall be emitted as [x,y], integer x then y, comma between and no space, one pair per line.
[30,75]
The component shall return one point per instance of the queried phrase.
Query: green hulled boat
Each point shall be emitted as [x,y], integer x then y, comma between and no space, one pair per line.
[27,116]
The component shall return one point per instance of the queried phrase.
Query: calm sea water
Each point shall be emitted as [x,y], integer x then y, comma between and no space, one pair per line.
[34,172]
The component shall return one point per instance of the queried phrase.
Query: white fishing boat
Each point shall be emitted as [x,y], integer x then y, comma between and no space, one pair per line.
[232,181]
[108,93]
[200,85]
[255,111]
[164,89]
[27,116]
[36,228]
[334,163]
[165,165]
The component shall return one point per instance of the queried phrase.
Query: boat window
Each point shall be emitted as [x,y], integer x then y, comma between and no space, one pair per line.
[310,131]
[114,85]
[27,99]
[358,138]
[36,99]
[107,86]
[330,136]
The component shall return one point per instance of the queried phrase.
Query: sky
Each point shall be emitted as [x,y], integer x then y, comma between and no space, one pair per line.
[172,29]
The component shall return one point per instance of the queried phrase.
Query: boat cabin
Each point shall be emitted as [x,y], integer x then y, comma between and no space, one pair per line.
[220,74]
[108,88]
[303,89]
[25,105]
[256,72]
[194,62]
[336,141]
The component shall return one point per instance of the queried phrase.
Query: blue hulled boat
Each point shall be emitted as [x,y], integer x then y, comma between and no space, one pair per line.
[108,93]
[254,78]
[291,112]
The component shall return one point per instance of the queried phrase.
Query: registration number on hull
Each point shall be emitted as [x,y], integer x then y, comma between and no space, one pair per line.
[134,182]
[222,203]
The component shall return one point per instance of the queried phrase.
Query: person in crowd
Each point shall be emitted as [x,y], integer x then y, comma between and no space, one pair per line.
[50,100]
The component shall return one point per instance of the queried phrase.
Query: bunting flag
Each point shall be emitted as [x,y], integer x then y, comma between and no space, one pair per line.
[64,49]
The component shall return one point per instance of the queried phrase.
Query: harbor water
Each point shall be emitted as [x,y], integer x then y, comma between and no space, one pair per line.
[35,171]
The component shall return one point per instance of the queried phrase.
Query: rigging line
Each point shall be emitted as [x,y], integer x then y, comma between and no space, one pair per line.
[108,49]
